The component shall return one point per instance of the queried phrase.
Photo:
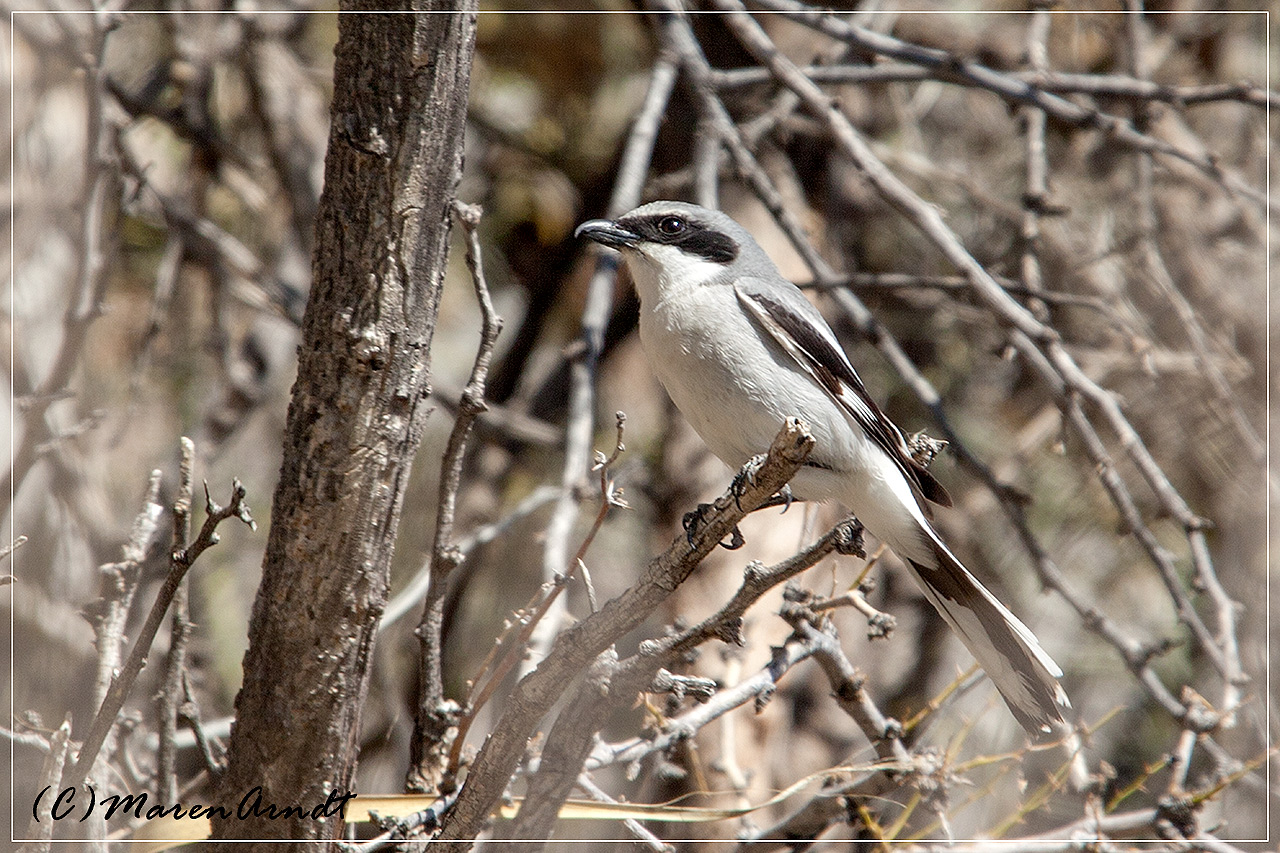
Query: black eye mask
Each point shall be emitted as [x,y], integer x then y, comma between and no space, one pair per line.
[695,238]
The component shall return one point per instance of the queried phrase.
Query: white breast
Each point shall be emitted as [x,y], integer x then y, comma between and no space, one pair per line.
[732,385]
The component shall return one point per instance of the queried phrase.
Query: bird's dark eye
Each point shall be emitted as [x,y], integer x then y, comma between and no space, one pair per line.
[671,225]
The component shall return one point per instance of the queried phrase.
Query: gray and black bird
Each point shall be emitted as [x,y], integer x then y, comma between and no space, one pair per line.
[739,349]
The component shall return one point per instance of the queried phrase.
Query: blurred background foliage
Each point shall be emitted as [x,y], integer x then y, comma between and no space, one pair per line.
[161,212]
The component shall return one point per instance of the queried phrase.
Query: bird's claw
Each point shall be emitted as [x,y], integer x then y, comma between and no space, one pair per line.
[787,497]
[784,498]
[746,478]
[694,520]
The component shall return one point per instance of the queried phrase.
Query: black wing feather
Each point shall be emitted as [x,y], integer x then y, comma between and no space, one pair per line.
[832,369]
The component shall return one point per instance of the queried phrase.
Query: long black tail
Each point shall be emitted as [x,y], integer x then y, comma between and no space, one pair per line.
[1005,648]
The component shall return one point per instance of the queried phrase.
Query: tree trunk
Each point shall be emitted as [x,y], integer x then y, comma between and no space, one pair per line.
[356,415]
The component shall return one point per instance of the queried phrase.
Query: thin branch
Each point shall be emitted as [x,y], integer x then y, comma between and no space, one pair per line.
[201,234]
[1227,400]
[40,828]
[96,239]
[758,688]
[1136,657]
[169,698]
[643,835]
[290,162]
[179,563]
[507,422]
[726,623]
[1045,80]
[843,799]
[118,583]
[728,763]
[580,423]
[31,739]
[433,718]
[189,715]
[879,624]
[707,154]
[1081,387]
[6,550]
[1005,86]
[558,766]
[409,597]
[1121,86]
[570,746]
[847,684]
[395,829]
[889,282]
[1035,195]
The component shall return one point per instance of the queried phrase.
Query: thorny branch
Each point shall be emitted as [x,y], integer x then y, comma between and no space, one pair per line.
[846,682]
[571,746]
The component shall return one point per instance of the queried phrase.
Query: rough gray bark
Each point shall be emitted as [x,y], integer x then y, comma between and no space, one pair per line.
[357,411]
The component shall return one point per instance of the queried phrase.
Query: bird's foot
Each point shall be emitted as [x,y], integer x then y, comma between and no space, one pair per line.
[784,498]
[746,478]
[694,521]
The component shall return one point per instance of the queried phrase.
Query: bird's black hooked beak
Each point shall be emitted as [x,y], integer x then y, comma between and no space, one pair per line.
[607,233]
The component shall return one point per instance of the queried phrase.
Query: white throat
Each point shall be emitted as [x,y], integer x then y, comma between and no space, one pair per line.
[665,272]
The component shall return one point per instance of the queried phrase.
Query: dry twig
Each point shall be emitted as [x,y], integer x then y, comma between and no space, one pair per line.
[582,369]
[433,716]
[180,562]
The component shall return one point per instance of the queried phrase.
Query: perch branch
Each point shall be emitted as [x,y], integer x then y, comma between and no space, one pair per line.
[579,645]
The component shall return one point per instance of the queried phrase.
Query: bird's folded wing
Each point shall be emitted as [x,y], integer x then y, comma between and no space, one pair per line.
[790,320]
